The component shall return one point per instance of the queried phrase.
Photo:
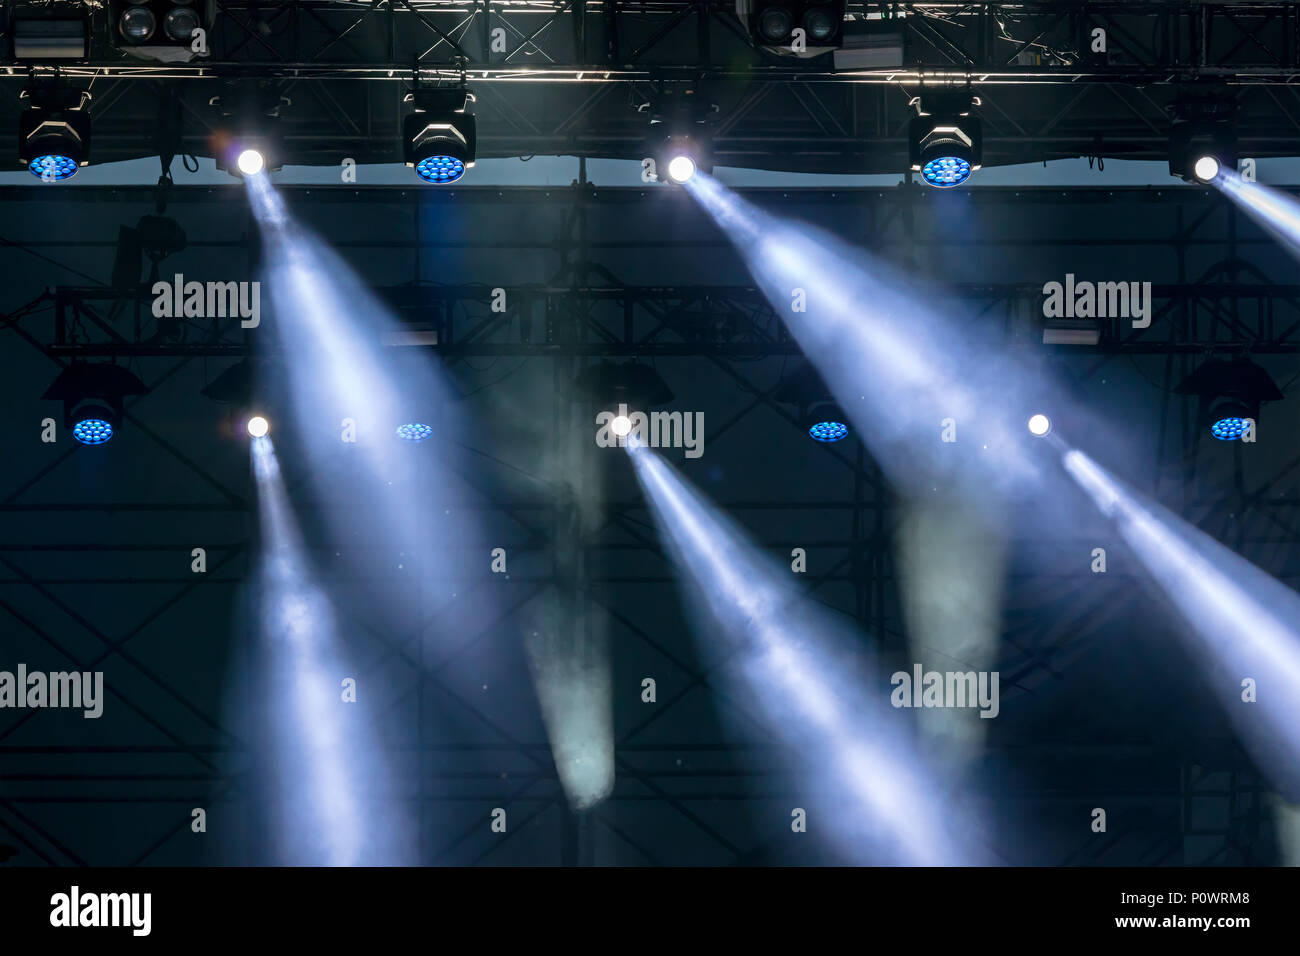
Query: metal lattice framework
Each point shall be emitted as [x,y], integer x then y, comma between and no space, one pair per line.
[570,73]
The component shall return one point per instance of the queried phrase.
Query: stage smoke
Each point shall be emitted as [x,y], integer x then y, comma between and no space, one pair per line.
[816,688]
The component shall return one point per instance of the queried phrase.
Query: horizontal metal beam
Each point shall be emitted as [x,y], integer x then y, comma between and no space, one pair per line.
[542,80]
[724,321]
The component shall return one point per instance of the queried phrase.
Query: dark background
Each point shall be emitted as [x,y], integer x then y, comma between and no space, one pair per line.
[1100,706]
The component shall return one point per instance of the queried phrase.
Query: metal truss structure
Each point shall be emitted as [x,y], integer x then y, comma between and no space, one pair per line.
[723,321]
[1231,306]
[568,77]
[673,773]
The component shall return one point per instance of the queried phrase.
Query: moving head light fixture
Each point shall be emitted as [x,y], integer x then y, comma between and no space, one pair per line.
[679,144]
[1231,392]
[54,130]
[1049,396]
[440,137]
[93,395]
[248,139]
[1203,136]
[945,138]
[803,28]
[243,390]
[820,416]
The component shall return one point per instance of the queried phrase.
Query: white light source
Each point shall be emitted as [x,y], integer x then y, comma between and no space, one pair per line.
[1039,425]
[681,168]
[621,425]
[258,426]
[251,162]
[1206,168]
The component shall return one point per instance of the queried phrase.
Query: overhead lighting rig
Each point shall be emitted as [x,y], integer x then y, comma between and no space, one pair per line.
[1203,135]
[945,138]
[93,397]
[54,130]
[249,139]
[820,416]
[440,135]
[1231,392]
[160,30]
[802,28]
[680,143]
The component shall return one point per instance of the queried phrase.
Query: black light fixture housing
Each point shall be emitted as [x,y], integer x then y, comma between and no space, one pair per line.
[154,236]
[945,138]
[1231,392]
[872,44]
[1200,151]
[249,138]
[820,416]
[161,30]
[54,131]
[611,384]
[773,23]
[1203,136]
[93,396]
[234,386]
[440,137]
[679,141]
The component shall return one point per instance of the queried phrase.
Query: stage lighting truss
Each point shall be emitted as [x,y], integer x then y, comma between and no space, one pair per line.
[54,132]
[802,28]
[440,137]
[249,139]
[93,395]
[160,30]
[1231,392]
[945,139]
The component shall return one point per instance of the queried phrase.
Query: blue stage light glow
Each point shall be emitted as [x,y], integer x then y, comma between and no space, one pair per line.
[440,169]
[1228,429]
[92,431]
[414,431]
[53,167]
[828,431]
[945,171]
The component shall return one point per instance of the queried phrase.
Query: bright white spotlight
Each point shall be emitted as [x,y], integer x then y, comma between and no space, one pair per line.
[251,162]
[680,169]
[621,426]
[1241,620]
[883,373]
[1039,425]
[1206,168]
[258,426]
[797,664]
